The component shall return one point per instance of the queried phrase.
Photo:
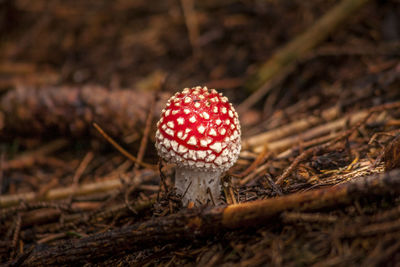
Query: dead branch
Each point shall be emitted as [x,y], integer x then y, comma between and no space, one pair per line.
[71,110]
[193,224]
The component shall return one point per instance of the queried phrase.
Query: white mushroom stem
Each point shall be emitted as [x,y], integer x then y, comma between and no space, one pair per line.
[193,185]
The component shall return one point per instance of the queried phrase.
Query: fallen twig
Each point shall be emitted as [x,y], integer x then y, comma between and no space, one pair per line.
[327,128]
[289,129]
[344,135]
[199,223]
[29,158]
[79,171]
[60,193]
[121,149]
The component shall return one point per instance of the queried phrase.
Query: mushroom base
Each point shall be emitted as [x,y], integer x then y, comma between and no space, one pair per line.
[199,187]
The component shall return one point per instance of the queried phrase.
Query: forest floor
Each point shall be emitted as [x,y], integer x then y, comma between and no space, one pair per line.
[317,88]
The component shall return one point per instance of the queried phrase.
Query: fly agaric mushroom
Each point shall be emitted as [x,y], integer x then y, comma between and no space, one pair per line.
[199,131]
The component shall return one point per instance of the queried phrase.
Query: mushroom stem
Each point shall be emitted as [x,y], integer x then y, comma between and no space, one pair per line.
[193,186]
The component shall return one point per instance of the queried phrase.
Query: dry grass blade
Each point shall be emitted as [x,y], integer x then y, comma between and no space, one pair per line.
[305,42]
[191,23]
[146,132]
[121,149]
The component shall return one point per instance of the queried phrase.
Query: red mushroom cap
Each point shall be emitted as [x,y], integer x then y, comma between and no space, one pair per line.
[199,128]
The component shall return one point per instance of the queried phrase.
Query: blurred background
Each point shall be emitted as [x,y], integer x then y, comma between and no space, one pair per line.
[169,45]
[315,65]
[126,44]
